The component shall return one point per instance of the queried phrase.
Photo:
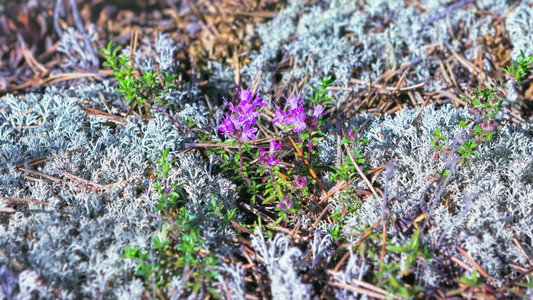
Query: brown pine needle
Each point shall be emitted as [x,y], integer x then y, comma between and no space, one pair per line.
[476,265]
[36,161]
[362,174]
[313,174]
[362,238]
[359,290]
[18,199]
[383,243]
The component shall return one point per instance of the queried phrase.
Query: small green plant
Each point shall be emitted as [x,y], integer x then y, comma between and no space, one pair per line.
[518,69]
[146,89]
[176,251]
[169,197]
[484,104]
[320,93]
[437,143]
[412,250]
[347,170]
[471,287]
[215,209]
[240,126]
[321,97]
[473,282]
[388,276]
[467,151]
[336,228]
[288,194]
[285,185]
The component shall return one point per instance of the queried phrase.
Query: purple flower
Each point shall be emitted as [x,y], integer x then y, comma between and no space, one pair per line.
[318,111]
[297,116]
[312,120]
[268,158]
[240,129]
[228,127]
[240,125]
[280,116]
[299,182]
[285,203]
[248,132]
[298,119]
[487,126]
[293,102]
[245,95]
[353,135]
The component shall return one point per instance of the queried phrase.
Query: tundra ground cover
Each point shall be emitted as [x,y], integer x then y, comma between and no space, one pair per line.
[285,188]
[296,186]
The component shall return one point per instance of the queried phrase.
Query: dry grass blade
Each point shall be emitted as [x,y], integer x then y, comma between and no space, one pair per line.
[369,286]
[256,82]
[55,79]
[321,215]
[239,227]
[364,236]
[517,280]
[36,161]
[258,14]
[257,212]
[68,76]
[339,186]
[42,175]
[383,243]
[107,116]
[476,265]
[362,174]
[379,86]
[526,254]
[104,102]
[461,263]
[18,199]
[80,180]
[463,61]
[452,97]
[118,182]
[37,68]
[359,290]
[236,67]
[12,260]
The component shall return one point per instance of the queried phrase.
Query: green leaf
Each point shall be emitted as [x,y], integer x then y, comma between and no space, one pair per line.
[131,253]
[478,129]
[394,248]
[157,242]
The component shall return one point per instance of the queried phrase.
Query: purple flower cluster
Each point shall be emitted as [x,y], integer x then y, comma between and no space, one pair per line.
[488,126]
[352,135]
[285,203]
[299,182]
[297,116]
[267,158]
[240,124]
